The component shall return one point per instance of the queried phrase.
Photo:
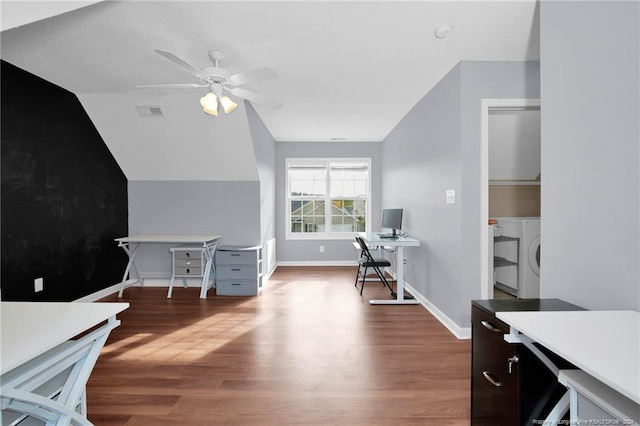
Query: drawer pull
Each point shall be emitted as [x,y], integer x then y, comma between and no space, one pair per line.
[235,254]
[490,326]
[235,269]
[187,254]
[236,284]
[492,379]
[188,271]
[188,263]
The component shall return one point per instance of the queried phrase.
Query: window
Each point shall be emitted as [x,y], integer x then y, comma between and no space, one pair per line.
[327,198]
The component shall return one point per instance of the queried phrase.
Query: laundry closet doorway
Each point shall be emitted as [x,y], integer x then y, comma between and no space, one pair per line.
[510,188]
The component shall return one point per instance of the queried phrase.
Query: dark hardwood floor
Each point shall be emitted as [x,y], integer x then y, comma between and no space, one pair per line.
[307,351]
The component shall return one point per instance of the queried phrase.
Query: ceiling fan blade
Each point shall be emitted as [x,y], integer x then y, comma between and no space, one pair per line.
[181,62]
[251,76]
[255,98]
[173,86]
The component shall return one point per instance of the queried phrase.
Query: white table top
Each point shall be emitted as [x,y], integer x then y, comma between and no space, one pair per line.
[28,329]
[170,239]
[604,344]
[372,238]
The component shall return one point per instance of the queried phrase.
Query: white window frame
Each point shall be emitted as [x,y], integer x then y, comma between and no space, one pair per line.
[328,234]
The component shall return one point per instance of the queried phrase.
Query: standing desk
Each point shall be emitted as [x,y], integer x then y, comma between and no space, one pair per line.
[38,361]
[130,246]
[603,344]
[372,238]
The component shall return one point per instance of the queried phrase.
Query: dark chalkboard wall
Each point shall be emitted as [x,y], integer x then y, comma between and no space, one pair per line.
[64,197]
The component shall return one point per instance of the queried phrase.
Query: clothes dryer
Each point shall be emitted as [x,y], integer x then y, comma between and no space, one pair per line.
[524,279]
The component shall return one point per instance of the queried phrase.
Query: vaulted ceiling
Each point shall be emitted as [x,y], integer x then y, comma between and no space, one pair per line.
[348,70]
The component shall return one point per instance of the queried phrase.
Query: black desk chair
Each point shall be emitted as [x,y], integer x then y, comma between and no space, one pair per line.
[367,261]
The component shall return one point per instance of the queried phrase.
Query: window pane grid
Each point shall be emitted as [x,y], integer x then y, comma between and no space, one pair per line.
[307,216]
[342,211]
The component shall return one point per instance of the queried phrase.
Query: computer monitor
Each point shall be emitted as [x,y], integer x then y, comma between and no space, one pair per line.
[391,219]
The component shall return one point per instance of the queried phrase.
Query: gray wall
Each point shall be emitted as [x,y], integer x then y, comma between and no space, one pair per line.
[265,151]
[436,147]
[590,148]
[336,251]
[422,159]
[230,209]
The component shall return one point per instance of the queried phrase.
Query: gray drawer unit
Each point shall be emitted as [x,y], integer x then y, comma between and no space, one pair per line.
[236,257]
[238,270]
[236,288]
[187,262]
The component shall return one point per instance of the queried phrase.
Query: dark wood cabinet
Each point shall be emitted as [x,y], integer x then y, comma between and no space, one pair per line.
[509,385]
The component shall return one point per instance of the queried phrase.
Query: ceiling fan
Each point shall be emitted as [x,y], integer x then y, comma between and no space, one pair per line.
[219,81]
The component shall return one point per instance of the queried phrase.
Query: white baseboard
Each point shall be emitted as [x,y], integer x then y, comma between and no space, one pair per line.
[319,263]
[459,332]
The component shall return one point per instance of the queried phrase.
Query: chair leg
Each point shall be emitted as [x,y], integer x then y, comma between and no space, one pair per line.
[383,278]
[364,277]
[357,276]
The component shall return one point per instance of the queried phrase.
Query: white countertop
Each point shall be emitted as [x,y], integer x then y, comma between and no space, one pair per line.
[169,238]
[28,329]
[604,344]
[373,239]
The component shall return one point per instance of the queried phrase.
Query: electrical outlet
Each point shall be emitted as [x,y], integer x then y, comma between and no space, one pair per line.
[321,249]
[38,284]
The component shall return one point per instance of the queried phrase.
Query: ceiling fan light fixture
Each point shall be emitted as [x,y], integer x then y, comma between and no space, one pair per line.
[210,112]
[209,104]
[227,104]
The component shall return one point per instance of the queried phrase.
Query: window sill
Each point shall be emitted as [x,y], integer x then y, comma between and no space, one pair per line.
[307,237]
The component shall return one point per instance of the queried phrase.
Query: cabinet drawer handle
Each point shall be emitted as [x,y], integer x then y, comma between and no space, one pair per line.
[236,284]
[188,263]
[234,254]
[491,379]
[188,271]
[235,269]
[187,254]
[490,326]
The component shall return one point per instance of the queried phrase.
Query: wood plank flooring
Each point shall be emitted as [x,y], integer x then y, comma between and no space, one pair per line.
[307,351]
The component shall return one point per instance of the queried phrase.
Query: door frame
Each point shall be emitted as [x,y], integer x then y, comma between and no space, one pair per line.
[486,287]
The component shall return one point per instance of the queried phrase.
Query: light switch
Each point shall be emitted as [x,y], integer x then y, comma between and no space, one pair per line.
[451,196]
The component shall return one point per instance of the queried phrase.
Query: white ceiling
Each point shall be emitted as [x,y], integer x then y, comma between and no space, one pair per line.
[347,70]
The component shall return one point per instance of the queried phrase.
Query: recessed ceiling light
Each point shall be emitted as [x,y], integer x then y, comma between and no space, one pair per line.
[443,30]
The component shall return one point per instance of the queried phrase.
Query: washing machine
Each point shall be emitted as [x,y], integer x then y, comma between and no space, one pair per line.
[517,252]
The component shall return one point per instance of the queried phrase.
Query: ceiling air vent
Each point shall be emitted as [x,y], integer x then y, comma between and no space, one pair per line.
[150,111]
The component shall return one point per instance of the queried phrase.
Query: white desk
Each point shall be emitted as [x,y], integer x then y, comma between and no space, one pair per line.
[604,344]
[38,360]
[130,246]
[371,238]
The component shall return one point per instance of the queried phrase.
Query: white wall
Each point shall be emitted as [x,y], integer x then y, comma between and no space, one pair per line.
[185,144]
[590,77]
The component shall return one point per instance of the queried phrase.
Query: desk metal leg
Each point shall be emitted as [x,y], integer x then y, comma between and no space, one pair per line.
[131,252]
[209,269]
[51,387]
[399,300]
